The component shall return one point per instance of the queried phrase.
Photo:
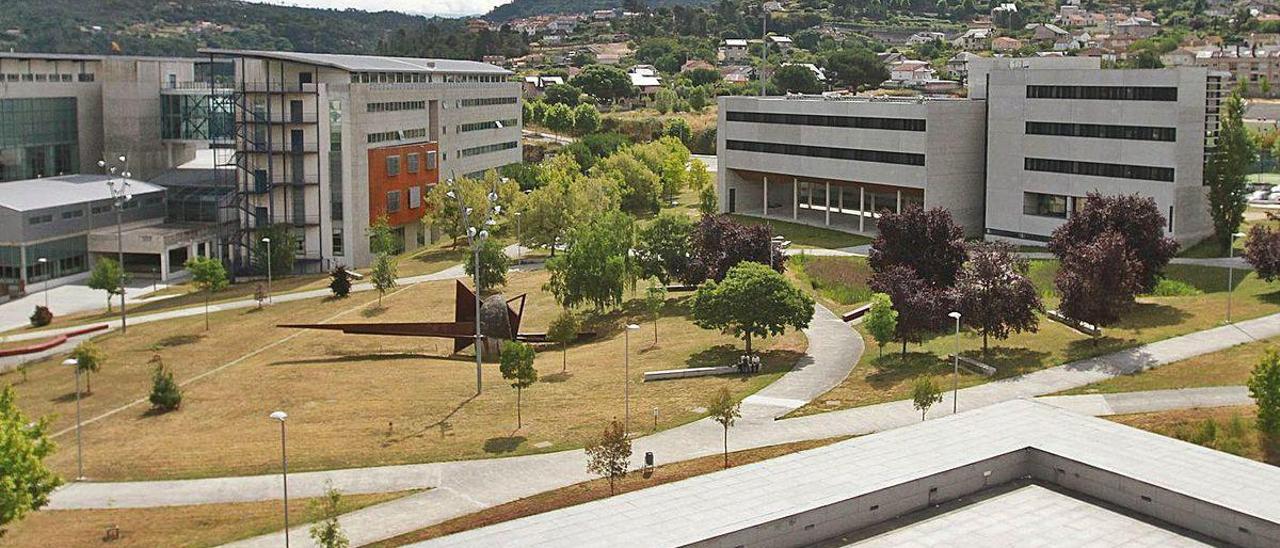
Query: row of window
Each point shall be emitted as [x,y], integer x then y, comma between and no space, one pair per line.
[860,155]
[496,147]
[43,77]
[1050,205]
[859,122]
[422,78]
[1132,133]
[397,135]
[412,163]
[1104,93]
[491,124]
[1098,169]
[396,106]
[486,102]
[395,199]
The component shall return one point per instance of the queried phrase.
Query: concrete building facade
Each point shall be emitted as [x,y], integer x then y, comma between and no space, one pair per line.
[840,162]
[1011,161]
[309,128]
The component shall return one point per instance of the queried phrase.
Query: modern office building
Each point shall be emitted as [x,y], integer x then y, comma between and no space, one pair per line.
[840,162]
[327,144]
[1011,161]
[70,220]
[1061,134]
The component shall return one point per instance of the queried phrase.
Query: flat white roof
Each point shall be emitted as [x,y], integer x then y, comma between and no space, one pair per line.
[34,194]
[366,63]
[704,507]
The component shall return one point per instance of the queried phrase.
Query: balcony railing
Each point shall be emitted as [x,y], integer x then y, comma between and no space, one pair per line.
[278,87]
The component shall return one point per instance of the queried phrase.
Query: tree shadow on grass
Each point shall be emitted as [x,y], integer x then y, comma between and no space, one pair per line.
[1011,361]
[503,444]
[1270,298]
[355,358]
[893,369]
[373,311]
[69,397]
[176,340]
[1149,315]
[716,356]
[556,377]
[155,412]
[442,424]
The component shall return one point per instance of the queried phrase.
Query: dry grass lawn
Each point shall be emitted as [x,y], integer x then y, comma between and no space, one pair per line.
[598,489]
[187,526]
[1230,367]
[1227,429]
[363,401]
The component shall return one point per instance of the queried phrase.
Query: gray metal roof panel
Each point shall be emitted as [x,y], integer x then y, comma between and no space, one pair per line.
[63,190]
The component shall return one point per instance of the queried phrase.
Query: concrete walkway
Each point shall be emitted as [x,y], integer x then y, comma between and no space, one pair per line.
[1123,403]
[69,298]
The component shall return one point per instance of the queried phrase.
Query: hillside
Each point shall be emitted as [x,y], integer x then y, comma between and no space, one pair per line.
[179,27]
[527,8]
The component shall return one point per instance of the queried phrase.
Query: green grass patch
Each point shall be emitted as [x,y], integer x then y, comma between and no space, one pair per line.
[839,280]
[1175,288]
[807,237]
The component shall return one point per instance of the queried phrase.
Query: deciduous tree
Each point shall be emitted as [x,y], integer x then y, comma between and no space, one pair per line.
[89,359]
[604,82]
[718,243]
[209,277]
[562,94]
[854,68]
[994,293]
[924,394]
[325,529]
[752,301]
[1262,250]
[881,320]
[564,330]
[610,456]
[1226,171]
[638,186]
[516,365]
[655,297]
[724,410]
[107,276]
[1096,282]
[493,265]
[1135,219]
[926,241]
[662,248]
[597,265]
[921,308]
[796,79]
[586,119]
[383,275]
[26,444]
[559,118]
[283,248]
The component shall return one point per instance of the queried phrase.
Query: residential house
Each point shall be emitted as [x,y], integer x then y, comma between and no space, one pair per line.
[645,78]
[733,50]
[1005,44]
[908,73]
[925,38]
[694,64]
[535,86]
[737,74]
[817,72]
[959,63]
[891,58]
[1137,28]
[783,43]
[1046,32]
[978,39]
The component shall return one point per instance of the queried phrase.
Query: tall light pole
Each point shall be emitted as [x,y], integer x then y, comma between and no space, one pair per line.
[280,416]
[268,242]
[75,365]
[44,269]
[626,375]
[955,374]
[1231,256]
[765,8]
[519,247]
[476,237]
[119,197]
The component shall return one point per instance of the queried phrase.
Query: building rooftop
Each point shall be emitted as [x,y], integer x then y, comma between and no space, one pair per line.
[366,63]
[821,487]
[47,192]
[91,57]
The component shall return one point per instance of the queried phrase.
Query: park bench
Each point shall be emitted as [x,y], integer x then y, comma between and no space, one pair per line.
[1083,327]
[974,366]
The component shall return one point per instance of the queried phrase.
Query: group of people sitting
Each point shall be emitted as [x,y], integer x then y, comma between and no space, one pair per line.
[748,363]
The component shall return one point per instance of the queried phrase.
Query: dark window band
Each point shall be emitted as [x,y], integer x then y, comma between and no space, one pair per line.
[1131,133]
[1104,93]
[1095,169]
[1018,235]
[857,122]
[856,154]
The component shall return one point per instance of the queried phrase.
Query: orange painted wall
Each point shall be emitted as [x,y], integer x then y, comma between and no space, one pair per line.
[380,183]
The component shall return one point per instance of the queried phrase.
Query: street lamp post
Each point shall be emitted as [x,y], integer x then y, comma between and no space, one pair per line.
[475,237]
[268,242]
[765,8]
[1231,256]
[955,374]
[626,372]
[119,197]
[280,416]
[519,246]
[44,269]
[75,364]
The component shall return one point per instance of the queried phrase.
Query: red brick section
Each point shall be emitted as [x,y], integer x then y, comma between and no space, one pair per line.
[380,183]
[49,343]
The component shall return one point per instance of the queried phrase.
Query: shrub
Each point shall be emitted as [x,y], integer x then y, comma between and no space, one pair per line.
[340,282]
[165,393]
[41,317]
[1166,287]
[839,279]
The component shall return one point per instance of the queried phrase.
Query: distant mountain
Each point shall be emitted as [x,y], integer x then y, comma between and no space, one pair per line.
[179,27]
[527,8]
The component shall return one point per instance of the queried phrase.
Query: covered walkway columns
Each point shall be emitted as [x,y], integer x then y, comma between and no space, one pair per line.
[850,206]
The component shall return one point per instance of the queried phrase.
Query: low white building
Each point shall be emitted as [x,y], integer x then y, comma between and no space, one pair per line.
[911,72]
[645,78]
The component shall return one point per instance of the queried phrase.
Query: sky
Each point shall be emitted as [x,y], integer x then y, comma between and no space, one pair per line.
[425,7]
